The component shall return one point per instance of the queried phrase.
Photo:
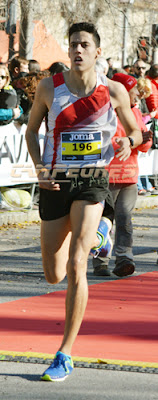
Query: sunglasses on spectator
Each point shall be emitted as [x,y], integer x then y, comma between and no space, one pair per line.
[139,68]
[3,76]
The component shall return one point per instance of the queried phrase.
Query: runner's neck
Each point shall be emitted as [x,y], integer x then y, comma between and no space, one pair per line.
[80,86]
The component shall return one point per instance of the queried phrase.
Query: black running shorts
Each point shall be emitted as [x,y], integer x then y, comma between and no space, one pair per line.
[57,204]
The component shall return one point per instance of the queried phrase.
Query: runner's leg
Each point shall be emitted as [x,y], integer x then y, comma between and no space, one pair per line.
[84,218]
[55,241]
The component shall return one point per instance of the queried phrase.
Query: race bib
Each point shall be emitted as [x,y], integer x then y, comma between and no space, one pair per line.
[77,146]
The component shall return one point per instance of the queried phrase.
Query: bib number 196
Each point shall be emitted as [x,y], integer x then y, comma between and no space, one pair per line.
[82,146]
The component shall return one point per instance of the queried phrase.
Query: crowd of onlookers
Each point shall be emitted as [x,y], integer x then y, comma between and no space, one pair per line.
[18,82]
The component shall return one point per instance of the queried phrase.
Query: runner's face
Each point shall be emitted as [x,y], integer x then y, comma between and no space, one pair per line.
[83,51]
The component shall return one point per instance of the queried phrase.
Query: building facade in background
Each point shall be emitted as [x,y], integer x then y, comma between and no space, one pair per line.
[126,27]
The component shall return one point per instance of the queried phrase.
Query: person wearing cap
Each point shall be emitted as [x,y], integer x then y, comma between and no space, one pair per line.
[123,176]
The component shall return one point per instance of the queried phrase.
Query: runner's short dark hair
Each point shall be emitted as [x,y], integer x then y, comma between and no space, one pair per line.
[87,27]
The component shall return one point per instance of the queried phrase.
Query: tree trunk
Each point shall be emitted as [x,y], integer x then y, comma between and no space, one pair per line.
[26,29]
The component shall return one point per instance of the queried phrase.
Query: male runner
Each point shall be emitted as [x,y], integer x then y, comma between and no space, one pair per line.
[81,122]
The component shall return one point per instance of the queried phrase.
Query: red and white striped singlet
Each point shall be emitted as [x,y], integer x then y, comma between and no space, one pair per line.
[80,129]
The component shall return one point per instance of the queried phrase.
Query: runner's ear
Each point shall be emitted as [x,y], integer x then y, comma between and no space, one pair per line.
[98,52]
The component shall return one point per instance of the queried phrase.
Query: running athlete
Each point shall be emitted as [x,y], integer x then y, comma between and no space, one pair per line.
[73,183]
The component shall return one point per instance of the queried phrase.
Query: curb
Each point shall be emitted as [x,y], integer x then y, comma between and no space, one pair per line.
[22,216]
[147,201]
[13,217]
[16,216]
[82,362]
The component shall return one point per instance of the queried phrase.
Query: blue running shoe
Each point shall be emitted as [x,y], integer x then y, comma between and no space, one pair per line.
[60,369]
[105,247]
[106,251]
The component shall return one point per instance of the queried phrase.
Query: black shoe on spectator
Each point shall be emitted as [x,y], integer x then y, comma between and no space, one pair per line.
[124,268]
[100,267]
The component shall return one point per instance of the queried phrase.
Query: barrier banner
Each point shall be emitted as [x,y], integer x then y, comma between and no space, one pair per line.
[16,166]
[148,163]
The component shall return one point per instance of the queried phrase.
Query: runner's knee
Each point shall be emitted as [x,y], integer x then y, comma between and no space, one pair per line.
[77,266]
[52,275]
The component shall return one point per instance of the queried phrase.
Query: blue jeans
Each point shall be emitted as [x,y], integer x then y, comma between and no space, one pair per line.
[144,183]
[124,196]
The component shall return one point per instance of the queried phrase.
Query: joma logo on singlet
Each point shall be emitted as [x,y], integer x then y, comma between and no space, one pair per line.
[82,136]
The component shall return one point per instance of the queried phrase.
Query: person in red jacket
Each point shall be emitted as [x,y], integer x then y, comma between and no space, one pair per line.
[152,100]
[123,176]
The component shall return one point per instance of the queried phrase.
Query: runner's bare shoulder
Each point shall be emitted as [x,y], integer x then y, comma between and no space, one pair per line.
[45,89]
[46,84]
[118,93]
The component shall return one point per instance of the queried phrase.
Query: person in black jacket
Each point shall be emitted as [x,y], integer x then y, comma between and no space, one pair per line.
[9,108]
[19,68]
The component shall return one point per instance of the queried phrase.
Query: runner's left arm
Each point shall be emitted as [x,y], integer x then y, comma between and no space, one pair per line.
[121,102]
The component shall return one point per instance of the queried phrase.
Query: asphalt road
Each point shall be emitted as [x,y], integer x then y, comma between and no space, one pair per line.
[21,275]
[21,382]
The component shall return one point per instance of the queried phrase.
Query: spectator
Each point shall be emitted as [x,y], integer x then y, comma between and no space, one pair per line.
[119,70]
[34,66]
[29,83]
[152,100]
[110,70]
[127,68]
[57,67]
[145,90]
[123,177]
[145,186]
[9,108]
[18,67]
[139,69]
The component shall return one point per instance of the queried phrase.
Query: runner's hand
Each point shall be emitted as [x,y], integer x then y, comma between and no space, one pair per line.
[45,181]
[125,150]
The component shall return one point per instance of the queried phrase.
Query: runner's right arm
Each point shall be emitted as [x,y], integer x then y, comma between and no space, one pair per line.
[121,102]
[41,105]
